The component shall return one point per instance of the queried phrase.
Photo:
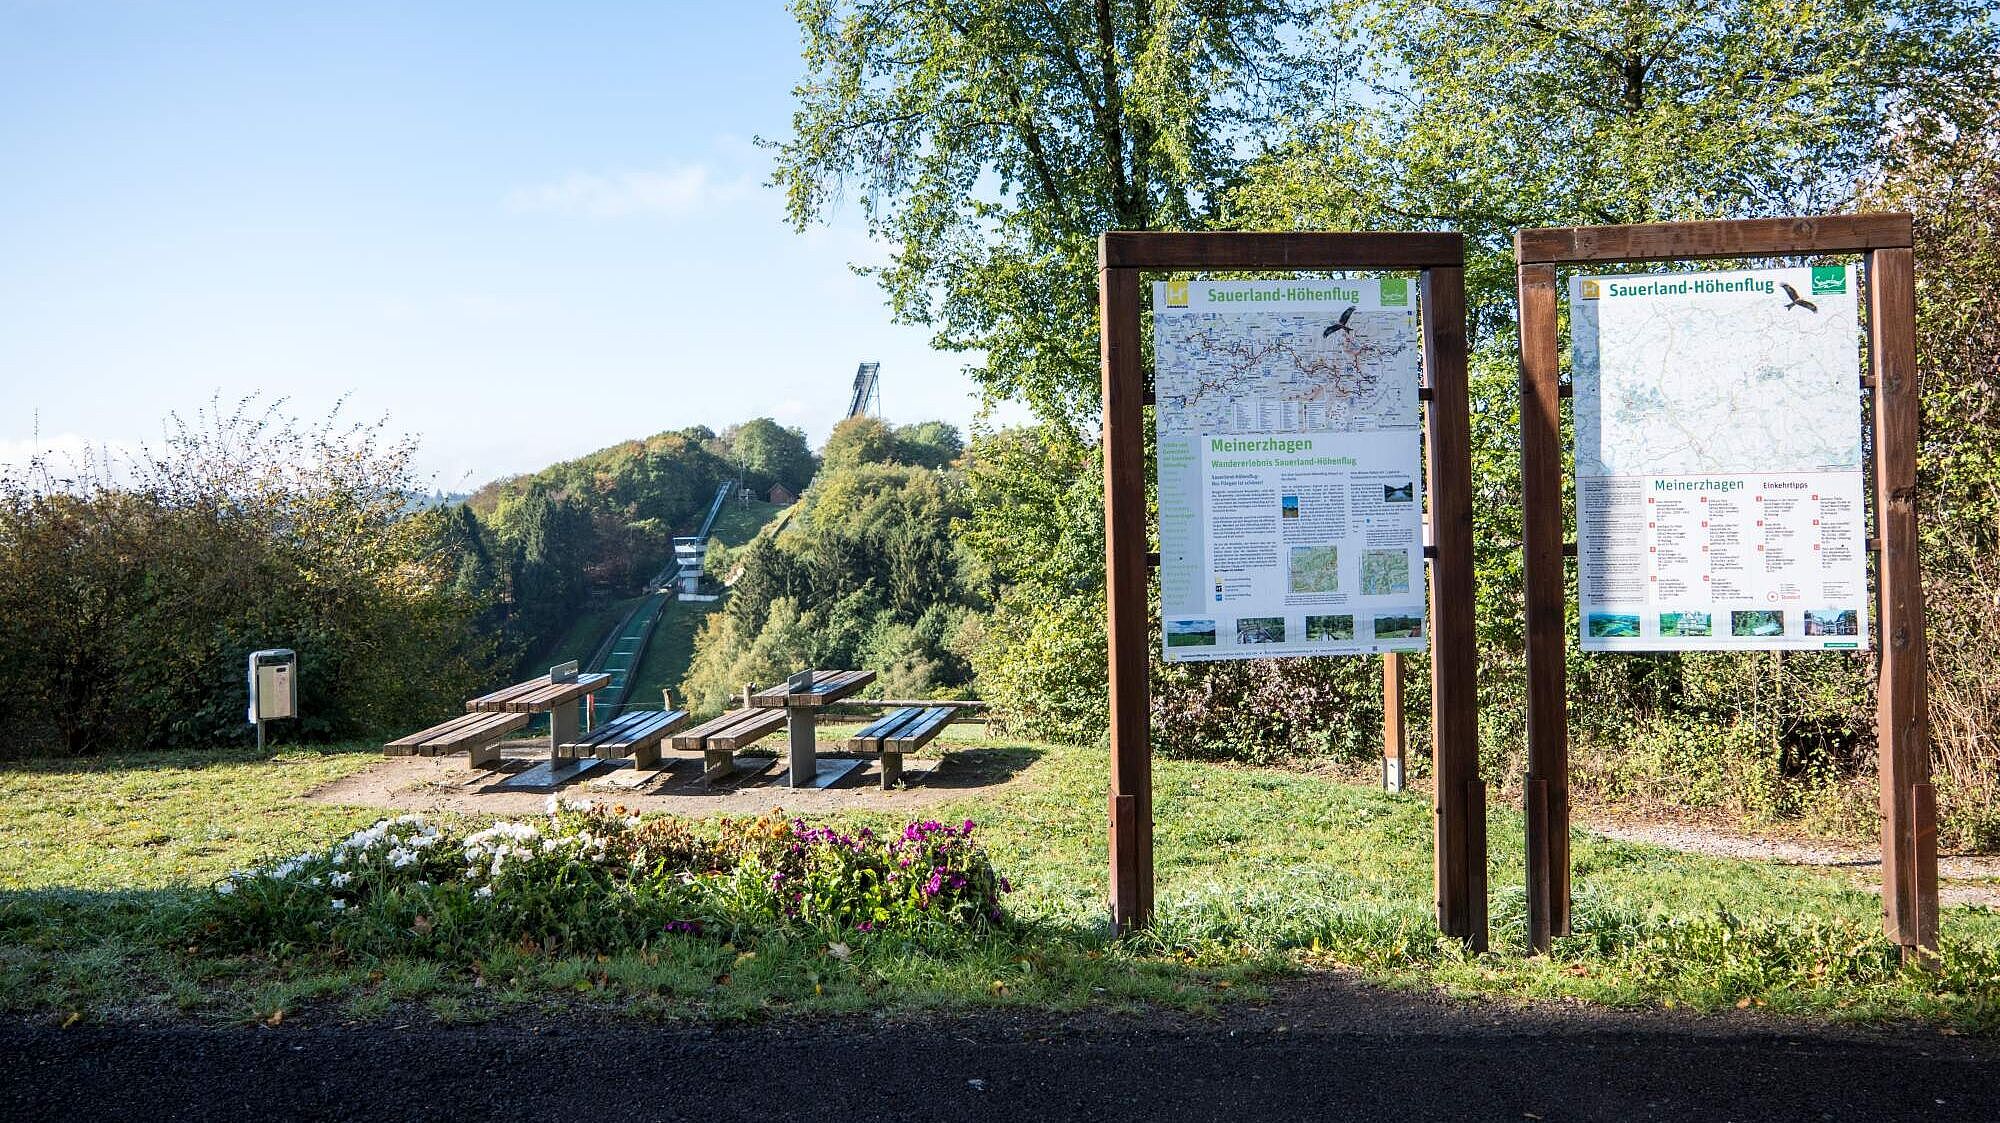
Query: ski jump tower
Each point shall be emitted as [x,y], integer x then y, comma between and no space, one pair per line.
[867,395]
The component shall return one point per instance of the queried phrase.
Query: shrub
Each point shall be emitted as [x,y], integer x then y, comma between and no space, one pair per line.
[130,594]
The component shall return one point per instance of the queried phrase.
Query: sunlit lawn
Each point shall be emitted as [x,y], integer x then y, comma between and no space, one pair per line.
[1262,873]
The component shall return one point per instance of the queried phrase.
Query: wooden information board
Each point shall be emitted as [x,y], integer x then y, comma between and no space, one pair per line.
[1908,801]
[1460,801]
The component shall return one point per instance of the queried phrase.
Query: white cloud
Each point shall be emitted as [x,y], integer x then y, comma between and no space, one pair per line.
[673,192]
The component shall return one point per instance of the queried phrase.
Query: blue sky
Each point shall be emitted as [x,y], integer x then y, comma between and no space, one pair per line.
[520,231]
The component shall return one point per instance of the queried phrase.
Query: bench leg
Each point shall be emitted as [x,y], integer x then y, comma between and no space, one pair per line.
[804,754]
[892,770]
[562,728]
[646,757]
[717,764]
[484,756]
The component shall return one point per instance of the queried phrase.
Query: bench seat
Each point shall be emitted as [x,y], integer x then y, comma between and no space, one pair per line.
[477,733]
[903,730]
[637,734]
[718,738]
[734,730]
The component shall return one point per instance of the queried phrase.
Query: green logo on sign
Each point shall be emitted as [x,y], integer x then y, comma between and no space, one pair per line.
[1829,278]
[1395,292]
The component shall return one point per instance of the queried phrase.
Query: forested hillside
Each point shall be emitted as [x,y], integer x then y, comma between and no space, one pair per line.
[602,525]
[865,575]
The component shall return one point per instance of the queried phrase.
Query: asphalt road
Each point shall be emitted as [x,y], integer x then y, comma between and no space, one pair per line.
[1322,1051]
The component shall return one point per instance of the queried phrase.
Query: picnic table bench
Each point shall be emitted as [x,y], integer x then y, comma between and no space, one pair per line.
[479,734]
[490,717]
[800,698]
[902,730]
[636,734]
[717,739]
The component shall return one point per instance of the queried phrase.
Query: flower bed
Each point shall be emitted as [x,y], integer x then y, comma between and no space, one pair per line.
[594,879]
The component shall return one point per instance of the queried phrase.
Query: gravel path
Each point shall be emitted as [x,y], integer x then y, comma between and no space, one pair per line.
[1325,1049]
[1966,879]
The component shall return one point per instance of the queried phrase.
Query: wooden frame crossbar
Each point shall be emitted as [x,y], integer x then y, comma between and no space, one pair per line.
[1460,802]
[1908,801]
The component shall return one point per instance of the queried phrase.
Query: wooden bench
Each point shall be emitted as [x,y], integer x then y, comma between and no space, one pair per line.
[899,731]
[637,734]
[477,733]
[718,738]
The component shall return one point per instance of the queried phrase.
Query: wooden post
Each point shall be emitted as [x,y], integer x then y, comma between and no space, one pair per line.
[1128,619]
[1454,637]
[1909,825]
[1908,802]
[1395,731]
[1547,629]
[1460,800]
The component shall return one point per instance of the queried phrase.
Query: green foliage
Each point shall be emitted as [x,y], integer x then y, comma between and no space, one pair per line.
[859,440]
[1949,178]
[865,575]
[870,440]
[766,453]
[130,598]
[991,142]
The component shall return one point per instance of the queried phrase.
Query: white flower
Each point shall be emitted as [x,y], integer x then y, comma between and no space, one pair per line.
[227,887]
[552,805]
[399,857]
[338,879]
[483,891]
[338,904]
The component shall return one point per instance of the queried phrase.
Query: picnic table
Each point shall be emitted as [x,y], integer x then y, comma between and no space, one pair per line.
[801,697]
[557,694]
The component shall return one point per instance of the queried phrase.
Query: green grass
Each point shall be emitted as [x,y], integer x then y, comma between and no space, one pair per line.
[670,651]
[1261,873]
[586,631]
[737,522]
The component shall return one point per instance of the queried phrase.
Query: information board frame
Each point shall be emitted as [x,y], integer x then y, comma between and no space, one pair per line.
[1439,261]
[1908,800]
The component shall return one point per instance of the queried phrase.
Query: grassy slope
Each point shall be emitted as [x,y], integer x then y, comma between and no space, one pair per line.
[586,631]
[672,646]
[1261,871]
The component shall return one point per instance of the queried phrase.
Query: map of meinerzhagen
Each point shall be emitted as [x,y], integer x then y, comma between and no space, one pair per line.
[1716,372]
[1291,371]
